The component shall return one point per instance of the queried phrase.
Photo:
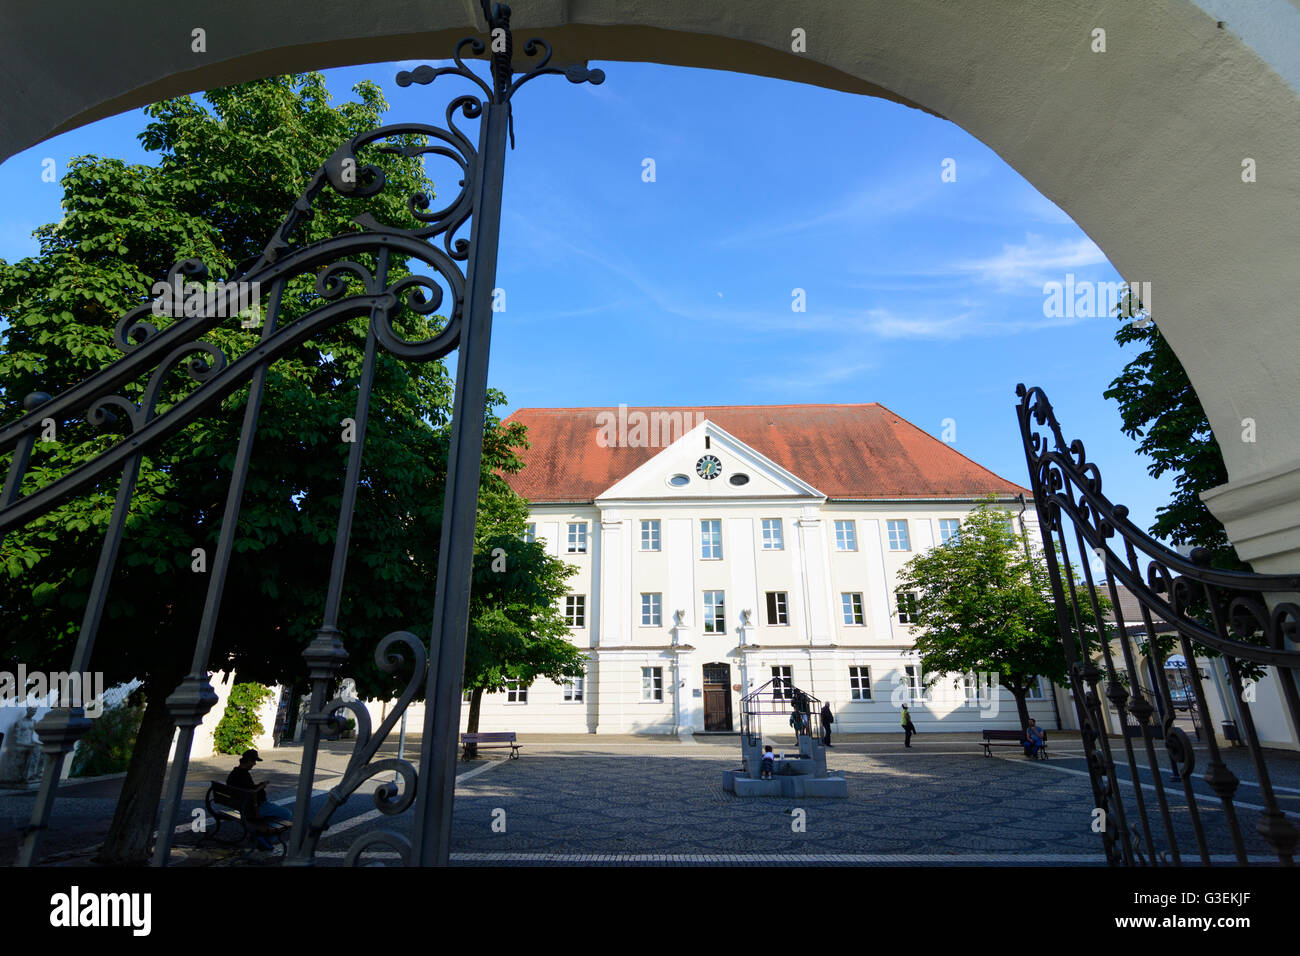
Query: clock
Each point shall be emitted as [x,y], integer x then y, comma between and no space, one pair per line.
[708,467]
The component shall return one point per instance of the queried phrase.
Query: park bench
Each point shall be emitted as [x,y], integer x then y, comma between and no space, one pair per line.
[1009,738]
[493,741]
[234,805]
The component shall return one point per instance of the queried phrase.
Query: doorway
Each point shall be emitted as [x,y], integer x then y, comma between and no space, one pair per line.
[717,697]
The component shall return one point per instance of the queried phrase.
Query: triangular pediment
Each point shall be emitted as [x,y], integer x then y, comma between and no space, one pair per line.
[704,449]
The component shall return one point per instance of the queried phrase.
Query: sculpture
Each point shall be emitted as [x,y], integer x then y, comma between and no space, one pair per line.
[21,761]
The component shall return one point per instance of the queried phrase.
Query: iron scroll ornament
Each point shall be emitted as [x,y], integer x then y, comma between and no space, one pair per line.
[1224,614]
[344,288]
[351,280]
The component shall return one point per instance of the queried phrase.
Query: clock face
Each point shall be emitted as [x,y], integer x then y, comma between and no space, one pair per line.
[708,467]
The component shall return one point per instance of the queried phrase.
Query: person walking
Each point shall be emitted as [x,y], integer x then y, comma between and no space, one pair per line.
[909,728]
[827,719]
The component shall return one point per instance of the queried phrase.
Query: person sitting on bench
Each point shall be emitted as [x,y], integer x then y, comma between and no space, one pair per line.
[242,778]
[1033,739]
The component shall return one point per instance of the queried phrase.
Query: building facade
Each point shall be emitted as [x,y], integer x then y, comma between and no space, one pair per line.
[721,548]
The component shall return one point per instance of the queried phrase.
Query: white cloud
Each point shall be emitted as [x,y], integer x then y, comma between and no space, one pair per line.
[874,201]
[1026,267]
[816,374]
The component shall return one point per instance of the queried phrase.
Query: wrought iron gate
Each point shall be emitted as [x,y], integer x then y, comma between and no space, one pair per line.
[433,247]
[1236,619]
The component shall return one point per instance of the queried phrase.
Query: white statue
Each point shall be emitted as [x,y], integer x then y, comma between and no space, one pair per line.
[21,753]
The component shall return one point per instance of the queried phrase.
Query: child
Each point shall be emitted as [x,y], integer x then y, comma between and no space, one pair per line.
[769,761]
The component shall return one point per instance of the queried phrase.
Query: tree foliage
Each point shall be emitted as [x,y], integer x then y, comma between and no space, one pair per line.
[1159,406]
[516,632]
[983,605]
[240,725]
[226,174]
[108,744]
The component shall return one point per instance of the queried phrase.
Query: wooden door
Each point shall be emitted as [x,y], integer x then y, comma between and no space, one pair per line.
[717,697]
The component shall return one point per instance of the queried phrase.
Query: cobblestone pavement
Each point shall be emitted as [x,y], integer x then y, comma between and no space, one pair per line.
[587,801]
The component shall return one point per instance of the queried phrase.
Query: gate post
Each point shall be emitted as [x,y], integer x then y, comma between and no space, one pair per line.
[433,807]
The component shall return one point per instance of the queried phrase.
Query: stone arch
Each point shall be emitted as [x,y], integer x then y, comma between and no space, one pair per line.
[1142,144]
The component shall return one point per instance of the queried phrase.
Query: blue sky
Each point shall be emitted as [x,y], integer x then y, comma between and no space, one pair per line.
[923,295]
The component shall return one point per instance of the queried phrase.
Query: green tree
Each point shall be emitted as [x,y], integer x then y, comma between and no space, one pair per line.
[239,725]
[983,605]
[224,178]
[1158,405]
[108,745]
[517,632]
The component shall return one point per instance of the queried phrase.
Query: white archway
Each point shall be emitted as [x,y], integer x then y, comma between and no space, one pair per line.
[1142,144]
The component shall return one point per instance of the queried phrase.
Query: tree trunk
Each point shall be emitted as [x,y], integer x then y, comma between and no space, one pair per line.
[130,836]
[1022,708]
[471,725]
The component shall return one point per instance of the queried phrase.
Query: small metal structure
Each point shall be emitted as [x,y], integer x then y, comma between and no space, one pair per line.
[777,697]
[1213,612]
[459,279]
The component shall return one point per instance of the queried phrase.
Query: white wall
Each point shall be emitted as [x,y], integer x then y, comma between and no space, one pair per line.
[815,642]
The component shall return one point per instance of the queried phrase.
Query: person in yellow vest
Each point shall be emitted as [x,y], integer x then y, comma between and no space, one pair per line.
[908,727]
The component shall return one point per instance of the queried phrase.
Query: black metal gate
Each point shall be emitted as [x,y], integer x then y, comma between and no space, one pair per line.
[1237,622]
[346,288]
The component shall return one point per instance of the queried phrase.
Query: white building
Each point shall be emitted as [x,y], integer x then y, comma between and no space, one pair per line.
[719,548]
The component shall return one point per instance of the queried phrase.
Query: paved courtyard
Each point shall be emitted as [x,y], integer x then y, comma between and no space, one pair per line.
[581,800]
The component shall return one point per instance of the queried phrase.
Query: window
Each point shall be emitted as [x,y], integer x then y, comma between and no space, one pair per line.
[711,538]
[1035,690]
[906,607]
[898,539]
[846,536]
[852,605]
[715,618]
[516,692]
[783,683]
[912,679]
[652,683]
[573,689]
[650,535]
[466,696]
[772,537]
[652,610]
[577,537]
[949,530]
[530,533]
[777,612]
[860,683]
[575,610]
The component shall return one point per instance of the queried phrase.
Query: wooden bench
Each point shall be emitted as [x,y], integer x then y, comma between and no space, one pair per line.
[1010,738]
[234,805]
[494,741]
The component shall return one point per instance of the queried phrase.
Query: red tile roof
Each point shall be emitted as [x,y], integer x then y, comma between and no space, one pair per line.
[844,451]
